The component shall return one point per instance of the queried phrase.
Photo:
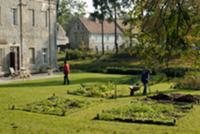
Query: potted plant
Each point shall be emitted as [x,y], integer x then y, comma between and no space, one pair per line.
[49,70]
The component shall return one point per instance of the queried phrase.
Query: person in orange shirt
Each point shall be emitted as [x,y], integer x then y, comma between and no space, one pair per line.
[66,72]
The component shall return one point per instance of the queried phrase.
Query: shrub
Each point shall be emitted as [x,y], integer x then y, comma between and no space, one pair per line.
[159,77]
[73,54]
[175,72]
[190,81]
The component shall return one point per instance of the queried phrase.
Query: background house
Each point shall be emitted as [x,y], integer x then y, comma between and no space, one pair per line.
[62,39]
[27,34]
[88,32]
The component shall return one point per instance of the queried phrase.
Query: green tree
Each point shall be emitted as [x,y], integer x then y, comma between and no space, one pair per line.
[164,26]
[67,9]
[111,9]
[100,12]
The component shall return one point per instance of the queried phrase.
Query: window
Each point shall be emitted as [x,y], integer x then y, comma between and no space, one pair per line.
[107,37]
[107,47]
[58,29]
[78,27]
[1,56]
[75,36]
[32,55]
[0,16]
[32,14]
[14,16]
[44,53]
[96,47]
[46,18]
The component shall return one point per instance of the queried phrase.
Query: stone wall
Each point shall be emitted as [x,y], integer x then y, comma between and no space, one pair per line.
[78,34]
[35,32]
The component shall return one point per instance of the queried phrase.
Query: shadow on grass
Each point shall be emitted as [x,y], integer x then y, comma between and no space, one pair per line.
[59,82]
[119,80]
[32,84]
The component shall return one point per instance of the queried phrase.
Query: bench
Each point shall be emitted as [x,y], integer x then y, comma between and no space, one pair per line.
[13,73]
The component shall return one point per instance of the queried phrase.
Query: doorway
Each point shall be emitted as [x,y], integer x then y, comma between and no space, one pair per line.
[14,58]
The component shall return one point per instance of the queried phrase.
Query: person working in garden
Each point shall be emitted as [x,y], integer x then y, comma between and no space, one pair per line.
[66,72]
[145,79]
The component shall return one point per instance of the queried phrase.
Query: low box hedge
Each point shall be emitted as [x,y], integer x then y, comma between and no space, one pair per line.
[121,70]
[175,72]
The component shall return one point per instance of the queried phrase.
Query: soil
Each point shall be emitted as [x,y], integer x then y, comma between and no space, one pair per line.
[177,97]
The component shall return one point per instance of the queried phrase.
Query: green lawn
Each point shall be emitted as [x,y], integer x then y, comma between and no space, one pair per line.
[81,121]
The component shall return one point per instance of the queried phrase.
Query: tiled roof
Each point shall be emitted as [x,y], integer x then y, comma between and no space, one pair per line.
[95,26]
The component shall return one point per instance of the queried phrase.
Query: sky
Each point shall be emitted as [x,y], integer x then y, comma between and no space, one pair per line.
[89,7]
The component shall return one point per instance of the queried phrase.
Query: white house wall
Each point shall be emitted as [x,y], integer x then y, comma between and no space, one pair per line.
[96,41]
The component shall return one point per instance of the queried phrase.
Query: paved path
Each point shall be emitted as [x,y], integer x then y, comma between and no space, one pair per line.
[33,77]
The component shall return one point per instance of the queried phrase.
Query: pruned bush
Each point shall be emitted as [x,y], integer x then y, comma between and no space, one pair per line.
[190,81]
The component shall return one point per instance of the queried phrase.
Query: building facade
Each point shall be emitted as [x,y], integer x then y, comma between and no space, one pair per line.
[27,34]
[88,32]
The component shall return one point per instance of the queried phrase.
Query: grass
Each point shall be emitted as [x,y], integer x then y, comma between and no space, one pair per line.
[81,121]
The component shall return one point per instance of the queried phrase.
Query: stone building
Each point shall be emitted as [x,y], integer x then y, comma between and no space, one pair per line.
[27,34]
[87,31]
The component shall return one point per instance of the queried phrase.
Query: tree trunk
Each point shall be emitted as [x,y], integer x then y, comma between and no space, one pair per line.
[102,34]
[115,19]
[130,37]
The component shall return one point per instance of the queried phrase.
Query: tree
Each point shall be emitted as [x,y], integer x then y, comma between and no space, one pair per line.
[114,9]
[100,12]
[129,32]
[164,26]
[68,9]
[111,9]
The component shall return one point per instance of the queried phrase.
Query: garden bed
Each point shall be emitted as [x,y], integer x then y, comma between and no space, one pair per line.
[188,98]
[54,105]
[97,90]
[148,112]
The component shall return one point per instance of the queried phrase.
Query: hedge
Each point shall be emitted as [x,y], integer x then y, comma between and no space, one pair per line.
[121,70]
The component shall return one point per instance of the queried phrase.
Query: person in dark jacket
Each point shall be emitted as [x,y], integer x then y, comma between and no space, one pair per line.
[66,73]
[145,79]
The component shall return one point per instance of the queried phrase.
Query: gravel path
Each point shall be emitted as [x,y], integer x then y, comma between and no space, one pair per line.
[33,77]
